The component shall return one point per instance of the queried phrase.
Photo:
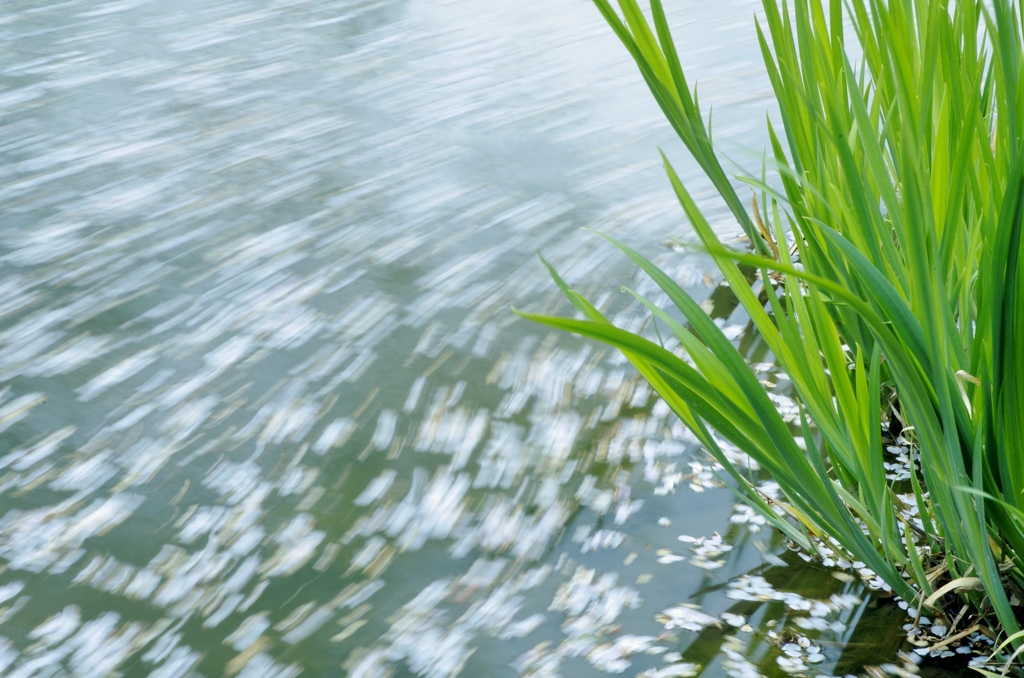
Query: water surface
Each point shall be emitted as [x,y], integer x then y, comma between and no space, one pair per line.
[265,409]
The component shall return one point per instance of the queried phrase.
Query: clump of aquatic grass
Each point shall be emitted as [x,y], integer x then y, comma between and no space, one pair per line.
[902,187]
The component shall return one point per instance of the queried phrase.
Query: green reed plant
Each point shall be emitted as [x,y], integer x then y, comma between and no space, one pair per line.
[902,187]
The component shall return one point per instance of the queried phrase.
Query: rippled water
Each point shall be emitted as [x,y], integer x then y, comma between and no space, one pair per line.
[265,409]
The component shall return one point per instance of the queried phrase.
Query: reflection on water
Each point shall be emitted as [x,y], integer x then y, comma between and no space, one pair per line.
[264,408]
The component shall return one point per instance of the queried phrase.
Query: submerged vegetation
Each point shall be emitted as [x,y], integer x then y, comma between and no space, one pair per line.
[888,242]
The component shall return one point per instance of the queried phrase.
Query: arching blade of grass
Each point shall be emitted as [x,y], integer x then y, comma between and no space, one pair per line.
[659,65]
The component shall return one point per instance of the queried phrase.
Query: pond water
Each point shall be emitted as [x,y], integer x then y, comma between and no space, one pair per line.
[265,409]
